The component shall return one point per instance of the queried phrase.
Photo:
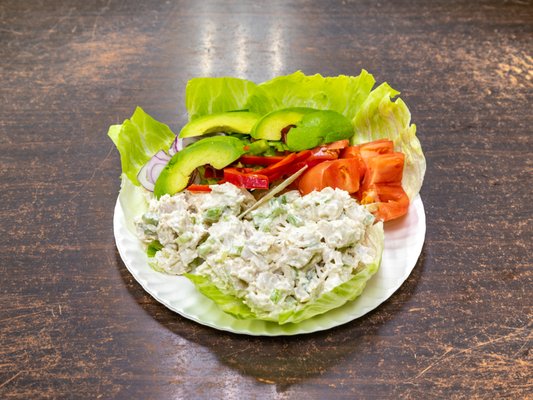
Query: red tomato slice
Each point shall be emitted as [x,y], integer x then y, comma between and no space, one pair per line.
[313,179]
[384,168]
[338,145]
[391,200]
[343,174]
[350,151]
[355,152]
[377,147]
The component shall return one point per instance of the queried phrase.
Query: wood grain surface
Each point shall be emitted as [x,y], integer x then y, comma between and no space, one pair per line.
[73,322]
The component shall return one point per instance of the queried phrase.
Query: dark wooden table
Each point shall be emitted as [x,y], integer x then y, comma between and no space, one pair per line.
[74,323]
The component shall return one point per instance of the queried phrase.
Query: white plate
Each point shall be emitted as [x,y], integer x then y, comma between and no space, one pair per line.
[403,243]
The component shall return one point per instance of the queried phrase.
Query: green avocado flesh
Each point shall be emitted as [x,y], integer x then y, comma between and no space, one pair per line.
[270,126]
[317,128]
[217,151]
[227,122]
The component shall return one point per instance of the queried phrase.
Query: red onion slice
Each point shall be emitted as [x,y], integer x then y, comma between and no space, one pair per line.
[142,177]
[179,144]
[155,171]
[151,170]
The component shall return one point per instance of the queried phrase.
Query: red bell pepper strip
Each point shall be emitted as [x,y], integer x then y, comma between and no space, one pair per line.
[210,172]
[245,180]
[198,188]
[327,152]
[320,156]
[286,166]
[260,160]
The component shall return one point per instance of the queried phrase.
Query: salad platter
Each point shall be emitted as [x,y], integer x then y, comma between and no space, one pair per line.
[280,208]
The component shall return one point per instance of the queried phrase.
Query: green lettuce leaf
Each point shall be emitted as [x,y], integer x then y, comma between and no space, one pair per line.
[343,293]
[137,140]
[205,96]
[342,93]
[133,201]
[227,302]
[380,117]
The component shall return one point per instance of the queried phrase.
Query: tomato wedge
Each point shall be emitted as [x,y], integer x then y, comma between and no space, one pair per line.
[391,200]
[313,179]
[375,148]
[343,174]
[338,145]
[350,151]
[355,152]
[384,168]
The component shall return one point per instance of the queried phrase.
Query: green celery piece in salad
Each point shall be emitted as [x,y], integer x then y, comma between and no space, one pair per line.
[153,248]
[137,140]
[230,303]
[205,96]
[381,118]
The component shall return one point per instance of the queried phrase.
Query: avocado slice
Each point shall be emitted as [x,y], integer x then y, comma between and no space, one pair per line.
[270,126]
[228,122]
[217,151]
[319,127]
